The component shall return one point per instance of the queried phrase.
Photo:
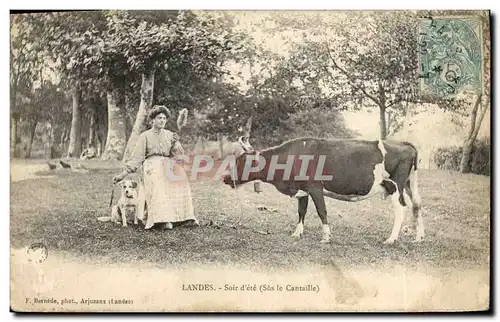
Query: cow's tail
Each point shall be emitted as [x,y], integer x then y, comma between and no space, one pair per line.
[415,157]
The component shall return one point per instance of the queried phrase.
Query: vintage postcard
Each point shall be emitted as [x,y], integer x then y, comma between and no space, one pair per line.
[250,161]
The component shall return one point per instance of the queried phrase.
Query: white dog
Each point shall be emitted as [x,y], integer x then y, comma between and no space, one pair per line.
[130,205]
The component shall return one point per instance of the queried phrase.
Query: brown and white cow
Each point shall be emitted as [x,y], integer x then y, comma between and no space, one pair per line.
[343,169]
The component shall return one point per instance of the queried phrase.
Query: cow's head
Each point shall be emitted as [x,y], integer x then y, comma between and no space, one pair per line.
[246,165]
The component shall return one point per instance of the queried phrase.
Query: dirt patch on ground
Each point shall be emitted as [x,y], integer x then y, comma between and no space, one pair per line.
[24,171]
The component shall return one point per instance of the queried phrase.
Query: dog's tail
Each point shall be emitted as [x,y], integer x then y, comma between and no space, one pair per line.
[105,218]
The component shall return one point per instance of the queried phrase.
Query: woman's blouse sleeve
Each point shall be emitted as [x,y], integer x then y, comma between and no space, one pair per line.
[138,155]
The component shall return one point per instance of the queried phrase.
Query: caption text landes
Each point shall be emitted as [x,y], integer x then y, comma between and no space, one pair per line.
[249,287]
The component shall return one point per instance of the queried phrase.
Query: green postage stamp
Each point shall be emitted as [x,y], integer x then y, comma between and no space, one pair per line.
[450,54]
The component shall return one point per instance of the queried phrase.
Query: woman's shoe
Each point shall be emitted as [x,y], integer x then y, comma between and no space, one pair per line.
[168,225]
[192,223]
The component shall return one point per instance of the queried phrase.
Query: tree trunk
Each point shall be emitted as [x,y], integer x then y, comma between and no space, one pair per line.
[53,143]
[406,122]
[475,125]
[14,116]
[13,136]
[248,127]
[382,123]
[64,137]
[76,123]
[98,147]
[85,128]
[129,122]
[31,137]
[98,137]
[83,144]
[465,160]
[101,130]
[147,87]
[92,130]
[220,139]
[116,138]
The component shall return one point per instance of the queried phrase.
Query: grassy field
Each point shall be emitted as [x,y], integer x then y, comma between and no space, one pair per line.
[61,211]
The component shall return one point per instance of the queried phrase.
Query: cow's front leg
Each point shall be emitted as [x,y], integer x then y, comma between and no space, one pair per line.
[399,213]
[319,202]
[123,212]
[302,204]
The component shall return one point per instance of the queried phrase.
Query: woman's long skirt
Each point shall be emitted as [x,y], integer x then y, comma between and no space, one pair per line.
[167,192]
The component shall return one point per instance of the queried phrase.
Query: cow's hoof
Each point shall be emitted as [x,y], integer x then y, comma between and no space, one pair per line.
[389,241]
[299,231]
[124,225]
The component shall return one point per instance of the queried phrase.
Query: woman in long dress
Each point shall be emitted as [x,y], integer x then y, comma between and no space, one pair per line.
[167,191]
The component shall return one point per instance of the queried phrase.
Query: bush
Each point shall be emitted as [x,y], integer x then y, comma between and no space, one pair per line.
[448,158]
[481,157]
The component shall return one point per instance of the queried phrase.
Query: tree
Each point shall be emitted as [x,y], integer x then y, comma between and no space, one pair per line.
[26,64]
[284,99]
[94,65]
[369,59]
[104,53]
[117,125]
[376,65]
[482,102]
[181,39]
[45,105]
[479,108]
[72,42]
[479,100]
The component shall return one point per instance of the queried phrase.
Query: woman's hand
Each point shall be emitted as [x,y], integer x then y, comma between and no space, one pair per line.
[119,177]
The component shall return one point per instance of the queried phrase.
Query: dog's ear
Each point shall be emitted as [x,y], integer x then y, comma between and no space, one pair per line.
[134,184]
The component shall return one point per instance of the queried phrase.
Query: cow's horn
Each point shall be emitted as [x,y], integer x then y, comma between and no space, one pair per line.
[245,144]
